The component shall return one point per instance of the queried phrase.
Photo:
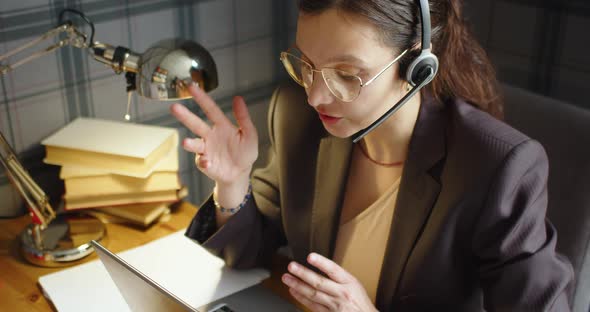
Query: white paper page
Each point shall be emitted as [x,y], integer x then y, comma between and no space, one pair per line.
[175,262]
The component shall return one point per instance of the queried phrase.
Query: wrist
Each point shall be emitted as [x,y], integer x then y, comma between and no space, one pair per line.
[231,195]
[234,209]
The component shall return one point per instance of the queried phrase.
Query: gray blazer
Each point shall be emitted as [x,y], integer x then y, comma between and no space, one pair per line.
[469,230]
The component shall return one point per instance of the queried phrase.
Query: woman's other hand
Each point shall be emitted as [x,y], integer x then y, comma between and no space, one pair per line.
[339,292]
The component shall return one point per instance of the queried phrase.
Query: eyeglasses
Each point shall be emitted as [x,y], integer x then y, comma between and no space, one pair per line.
[343,85]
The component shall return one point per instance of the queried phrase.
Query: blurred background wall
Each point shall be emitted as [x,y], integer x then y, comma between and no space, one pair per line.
[536,45]
[539,45]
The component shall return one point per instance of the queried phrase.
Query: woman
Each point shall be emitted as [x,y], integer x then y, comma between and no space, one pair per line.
[440,207]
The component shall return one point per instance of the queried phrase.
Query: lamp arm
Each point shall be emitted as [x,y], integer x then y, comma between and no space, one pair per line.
[73,38]
[41,211]
[36,199]
[120,59]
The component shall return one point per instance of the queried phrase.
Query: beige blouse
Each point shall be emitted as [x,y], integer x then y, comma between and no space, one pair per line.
[361,242]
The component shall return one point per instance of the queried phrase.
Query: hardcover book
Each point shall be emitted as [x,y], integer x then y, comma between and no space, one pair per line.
[118,147]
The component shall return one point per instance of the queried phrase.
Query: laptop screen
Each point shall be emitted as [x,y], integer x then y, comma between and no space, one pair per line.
[139,291]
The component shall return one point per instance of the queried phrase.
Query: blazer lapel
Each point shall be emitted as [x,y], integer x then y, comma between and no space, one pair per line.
[417,194]
[331,172]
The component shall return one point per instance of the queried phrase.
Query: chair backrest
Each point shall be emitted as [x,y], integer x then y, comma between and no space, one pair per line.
[564,131]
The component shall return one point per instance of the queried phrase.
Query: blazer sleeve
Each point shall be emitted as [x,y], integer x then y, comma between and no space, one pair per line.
[514,243]
[248,238]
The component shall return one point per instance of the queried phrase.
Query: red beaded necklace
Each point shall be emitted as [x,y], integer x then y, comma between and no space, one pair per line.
[388,165]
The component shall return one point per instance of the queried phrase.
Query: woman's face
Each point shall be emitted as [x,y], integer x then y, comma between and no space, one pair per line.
[347,42]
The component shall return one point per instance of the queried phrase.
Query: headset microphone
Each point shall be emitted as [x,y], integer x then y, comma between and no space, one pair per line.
[421,83]
[419,73]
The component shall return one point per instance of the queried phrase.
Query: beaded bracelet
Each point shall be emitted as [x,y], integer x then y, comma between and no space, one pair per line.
[242,204]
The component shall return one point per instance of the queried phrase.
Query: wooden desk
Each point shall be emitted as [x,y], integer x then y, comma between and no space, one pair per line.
[18,278]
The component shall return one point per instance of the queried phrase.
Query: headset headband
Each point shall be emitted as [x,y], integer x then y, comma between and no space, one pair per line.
[426,30]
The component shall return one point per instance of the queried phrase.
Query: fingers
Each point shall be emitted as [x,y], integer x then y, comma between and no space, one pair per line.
[196,145]
[243,117]
[195,124]
[333,270]
[307,302]
[211,110]
[202,162]
[306,290]
[313,279]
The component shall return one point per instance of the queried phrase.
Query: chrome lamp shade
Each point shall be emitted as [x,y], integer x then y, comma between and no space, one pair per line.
[169,66]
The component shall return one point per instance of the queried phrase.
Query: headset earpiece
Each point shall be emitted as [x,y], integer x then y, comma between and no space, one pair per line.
[417,70]
[419,73]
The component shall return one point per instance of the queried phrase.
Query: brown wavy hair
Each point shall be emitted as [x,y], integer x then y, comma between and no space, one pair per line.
[465,70]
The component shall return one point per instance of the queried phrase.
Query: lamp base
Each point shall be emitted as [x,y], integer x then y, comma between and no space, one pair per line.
[65,240]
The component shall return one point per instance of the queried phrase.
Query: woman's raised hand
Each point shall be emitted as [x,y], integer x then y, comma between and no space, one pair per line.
[224,152]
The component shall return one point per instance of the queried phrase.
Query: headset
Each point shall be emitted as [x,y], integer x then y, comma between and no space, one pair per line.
[419,73]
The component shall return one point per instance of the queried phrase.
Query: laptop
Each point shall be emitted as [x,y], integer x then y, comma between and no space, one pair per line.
[143,294]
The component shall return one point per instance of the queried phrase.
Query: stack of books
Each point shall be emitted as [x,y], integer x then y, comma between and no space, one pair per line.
[122,169]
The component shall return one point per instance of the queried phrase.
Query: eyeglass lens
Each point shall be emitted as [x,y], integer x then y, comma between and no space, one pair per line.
[341,84]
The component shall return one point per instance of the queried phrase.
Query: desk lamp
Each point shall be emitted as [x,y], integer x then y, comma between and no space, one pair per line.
[163,72]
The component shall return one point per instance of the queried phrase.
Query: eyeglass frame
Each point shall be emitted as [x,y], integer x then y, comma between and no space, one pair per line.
[362,84]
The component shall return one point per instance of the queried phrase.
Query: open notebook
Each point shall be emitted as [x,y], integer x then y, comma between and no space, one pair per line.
[175,262]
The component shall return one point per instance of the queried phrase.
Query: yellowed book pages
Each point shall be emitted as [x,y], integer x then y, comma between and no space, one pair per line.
[82,202]
[143,214]
[117,147]
[168,164]
[108,218]
[118,184]
[81,181]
